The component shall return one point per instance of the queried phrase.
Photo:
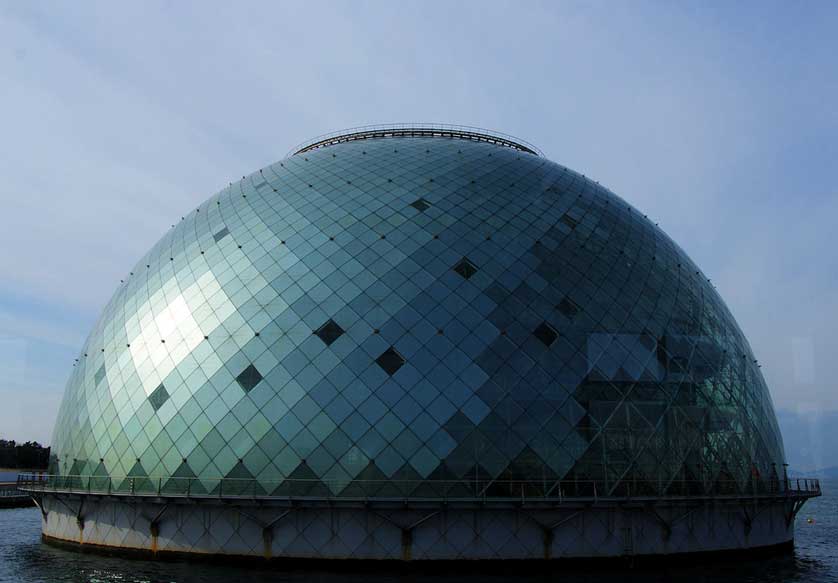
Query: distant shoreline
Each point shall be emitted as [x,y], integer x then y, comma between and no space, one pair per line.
[830,472]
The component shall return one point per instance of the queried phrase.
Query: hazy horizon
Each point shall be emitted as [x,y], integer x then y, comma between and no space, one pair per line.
[717,121]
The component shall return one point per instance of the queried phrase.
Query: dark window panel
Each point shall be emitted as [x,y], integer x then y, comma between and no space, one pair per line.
[421,205]
[221,234]
[249,378]
[545,333]
[329,332]
[158,397]
[465,268]
[568,307]
[390,361]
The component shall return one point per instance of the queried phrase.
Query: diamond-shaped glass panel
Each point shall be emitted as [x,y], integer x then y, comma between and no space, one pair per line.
[390,361]
[221,234]
[465,268]
[249,378]
[100,374]
[421,205]
[568,307]
[569,221]
[545,333]
[158,397]
[329,332]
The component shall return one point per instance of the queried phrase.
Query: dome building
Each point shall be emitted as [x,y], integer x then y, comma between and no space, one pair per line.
[417,343]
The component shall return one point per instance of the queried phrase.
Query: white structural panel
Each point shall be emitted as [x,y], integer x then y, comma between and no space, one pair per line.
[405,533]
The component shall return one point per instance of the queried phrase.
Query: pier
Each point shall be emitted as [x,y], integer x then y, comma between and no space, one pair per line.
[11,497]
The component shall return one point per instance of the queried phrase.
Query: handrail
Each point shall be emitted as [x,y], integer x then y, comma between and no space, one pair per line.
[10,490]
[415,130]
[466,489]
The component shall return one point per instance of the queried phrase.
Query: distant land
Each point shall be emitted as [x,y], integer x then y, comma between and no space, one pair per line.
[819,473]
[811,442]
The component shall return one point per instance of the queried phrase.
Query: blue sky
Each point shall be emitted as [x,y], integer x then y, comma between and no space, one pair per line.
[716,119]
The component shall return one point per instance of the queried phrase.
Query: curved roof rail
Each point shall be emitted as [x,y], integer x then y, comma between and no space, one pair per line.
[434,130]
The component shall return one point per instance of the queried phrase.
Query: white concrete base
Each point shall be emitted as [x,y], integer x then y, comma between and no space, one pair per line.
[432,532]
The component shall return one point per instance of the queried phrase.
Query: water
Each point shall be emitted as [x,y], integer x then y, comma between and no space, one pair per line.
[24,559]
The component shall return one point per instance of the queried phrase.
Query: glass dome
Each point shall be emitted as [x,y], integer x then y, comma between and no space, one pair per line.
[404,309]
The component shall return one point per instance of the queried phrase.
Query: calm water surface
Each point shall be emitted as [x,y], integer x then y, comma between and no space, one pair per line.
[24,559]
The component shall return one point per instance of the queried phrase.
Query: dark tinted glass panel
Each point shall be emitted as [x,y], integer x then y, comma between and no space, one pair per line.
[329,332]
[249,378]
[568,307]
[100,374]
[465,268]
[390,361]
[420,205]
[221,234]
[158,397]
[545,333]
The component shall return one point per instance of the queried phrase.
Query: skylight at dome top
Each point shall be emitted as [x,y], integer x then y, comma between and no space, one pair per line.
[420,312]
[414,130]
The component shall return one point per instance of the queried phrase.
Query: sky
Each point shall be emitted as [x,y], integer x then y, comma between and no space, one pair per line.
[718,120]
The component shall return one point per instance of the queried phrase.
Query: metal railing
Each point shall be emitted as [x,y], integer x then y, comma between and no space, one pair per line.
[10,490]
[415,130]
[471,490]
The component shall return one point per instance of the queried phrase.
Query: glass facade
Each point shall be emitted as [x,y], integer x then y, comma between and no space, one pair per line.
[412,310]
